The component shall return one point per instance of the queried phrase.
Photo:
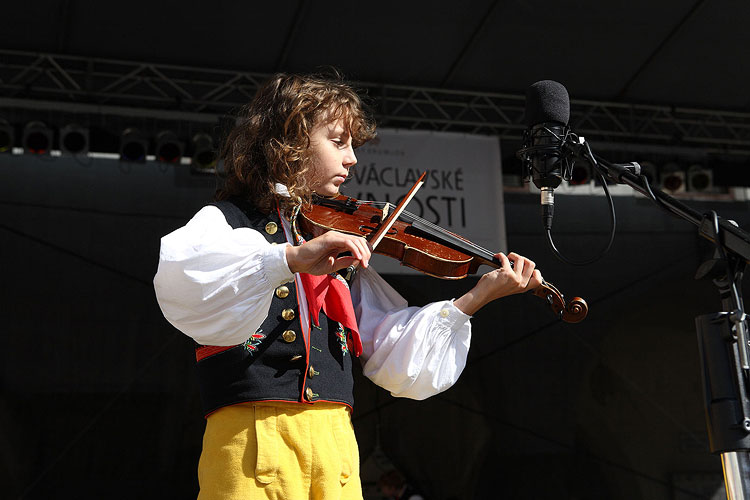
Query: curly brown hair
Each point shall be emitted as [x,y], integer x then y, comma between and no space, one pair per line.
[271,142]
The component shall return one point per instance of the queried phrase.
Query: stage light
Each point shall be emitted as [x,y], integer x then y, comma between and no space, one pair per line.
[580,174]
[37,138]
[699,178]
[673,178]
[74,140]
[204,154]
[648,170]
[168,147]
[6,136]
[133,146]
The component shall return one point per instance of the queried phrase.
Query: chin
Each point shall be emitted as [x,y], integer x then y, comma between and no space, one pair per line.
[327,192]
[332,191]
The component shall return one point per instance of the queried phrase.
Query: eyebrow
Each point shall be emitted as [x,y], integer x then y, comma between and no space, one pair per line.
[338,130]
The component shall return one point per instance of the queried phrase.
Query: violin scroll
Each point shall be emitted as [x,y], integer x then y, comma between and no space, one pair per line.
[574,311]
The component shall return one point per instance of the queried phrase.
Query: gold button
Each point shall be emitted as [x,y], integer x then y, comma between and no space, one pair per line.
[296,357]
[282,292]
[311,372]
[444,313]
[271,228]
[287,314]
[310,394]
[289,336]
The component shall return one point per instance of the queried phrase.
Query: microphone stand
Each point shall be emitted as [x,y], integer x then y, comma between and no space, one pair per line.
[722,336]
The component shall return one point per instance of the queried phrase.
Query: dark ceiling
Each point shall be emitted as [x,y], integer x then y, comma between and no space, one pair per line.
[681,52]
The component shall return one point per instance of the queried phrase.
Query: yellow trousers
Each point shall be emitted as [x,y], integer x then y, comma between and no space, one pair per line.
[277,450]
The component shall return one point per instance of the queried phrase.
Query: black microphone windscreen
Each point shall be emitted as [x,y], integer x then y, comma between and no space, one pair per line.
[547,101]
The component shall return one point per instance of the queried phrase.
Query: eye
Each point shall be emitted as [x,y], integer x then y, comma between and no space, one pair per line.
[340,143]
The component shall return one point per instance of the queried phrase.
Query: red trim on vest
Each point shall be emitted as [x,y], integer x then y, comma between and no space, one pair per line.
[205,351]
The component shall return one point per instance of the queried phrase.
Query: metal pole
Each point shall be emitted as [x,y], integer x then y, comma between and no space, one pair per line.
[736,474]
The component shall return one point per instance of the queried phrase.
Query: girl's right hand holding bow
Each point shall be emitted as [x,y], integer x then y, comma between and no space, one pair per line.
[322,254]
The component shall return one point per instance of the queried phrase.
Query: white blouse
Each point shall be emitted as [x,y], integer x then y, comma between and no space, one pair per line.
[215,284]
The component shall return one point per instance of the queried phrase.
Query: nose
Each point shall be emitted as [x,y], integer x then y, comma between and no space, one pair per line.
[350,159]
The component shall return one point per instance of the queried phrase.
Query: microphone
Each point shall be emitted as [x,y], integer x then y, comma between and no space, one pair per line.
[542,153]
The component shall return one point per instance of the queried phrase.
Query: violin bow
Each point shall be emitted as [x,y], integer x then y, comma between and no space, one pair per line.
[376,236]
[391,218]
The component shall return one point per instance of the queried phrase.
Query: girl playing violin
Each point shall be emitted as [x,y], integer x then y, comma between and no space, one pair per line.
[276,328]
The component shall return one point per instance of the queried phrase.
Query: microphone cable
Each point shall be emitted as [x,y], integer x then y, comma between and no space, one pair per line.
[613,218]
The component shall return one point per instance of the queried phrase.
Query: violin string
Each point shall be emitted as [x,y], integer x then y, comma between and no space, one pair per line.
[434,227]
[425,222]
[444,231]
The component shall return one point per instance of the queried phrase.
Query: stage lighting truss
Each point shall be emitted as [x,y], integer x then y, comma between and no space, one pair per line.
[54,82]
[74,140]
[204,156]
[133,146]
[168,147]
[37,138]
[7,136]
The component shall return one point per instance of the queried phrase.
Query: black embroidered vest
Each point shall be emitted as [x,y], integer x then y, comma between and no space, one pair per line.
[275,363]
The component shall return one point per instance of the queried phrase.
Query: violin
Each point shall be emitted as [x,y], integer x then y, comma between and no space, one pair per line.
[419,244]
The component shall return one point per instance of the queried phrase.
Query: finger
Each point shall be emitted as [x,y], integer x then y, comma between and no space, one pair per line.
[366,251]
[518,266]
[344,262]
[536,279]
[357,246]
[363,246]
[528,271]
[504,261]
[347,243]
[514,258]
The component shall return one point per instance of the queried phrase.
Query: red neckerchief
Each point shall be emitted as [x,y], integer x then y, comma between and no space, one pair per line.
[331,293]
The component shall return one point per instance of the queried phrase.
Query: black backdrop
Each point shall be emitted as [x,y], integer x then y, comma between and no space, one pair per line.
[98,394]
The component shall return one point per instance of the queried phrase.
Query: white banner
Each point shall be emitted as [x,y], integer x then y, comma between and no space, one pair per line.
[463,190]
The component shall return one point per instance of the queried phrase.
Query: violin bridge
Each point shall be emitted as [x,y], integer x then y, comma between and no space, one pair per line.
[385,212]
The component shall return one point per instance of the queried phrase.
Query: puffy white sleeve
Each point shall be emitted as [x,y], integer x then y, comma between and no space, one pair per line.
[215,283]
[413,352]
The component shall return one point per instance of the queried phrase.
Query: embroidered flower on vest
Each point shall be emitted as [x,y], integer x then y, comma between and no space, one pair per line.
[251,344]
[341,334]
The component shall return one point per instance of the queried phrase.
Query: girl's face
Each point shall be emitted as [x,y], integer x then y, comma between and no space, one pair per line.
[332,157]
